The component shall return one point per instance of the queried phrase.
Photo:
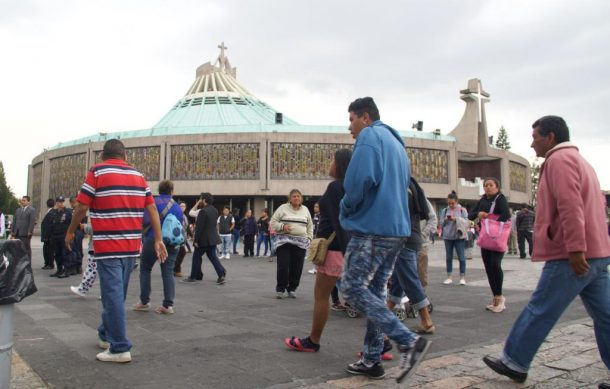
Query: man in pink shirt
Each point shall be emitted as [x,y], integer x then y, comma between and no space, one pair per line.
[570,235]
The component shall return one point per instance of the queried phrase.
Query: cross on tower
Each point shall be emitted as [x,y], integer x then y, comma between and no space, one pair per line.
[222,48]
[479,95]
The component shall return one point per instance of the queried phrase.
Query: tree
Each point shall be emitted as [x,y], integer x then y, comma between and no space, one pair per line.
[8,201]
[535,167]
[502,141]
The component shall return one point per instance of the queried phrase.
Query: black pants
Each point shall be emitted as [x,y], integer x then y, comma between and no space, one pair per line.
[180,259]
[522,236]
[493,267]
[60,251]
[48,253]
[290,261]
[249,245]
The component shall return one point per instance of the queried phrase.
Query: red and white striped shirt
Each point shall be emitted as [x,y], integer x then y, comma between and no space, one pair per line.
[117,195]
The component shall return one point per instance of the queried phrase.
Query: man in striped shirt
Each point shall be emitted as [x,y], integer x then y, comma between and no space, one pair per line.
[116,195]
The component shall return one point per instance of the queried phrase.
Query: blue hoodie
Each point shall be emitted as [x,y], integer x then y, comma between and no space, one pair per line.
[376,182]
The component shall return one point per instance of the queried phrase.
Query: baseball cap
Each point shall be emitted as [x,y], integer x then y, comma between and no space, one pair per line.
[60,198]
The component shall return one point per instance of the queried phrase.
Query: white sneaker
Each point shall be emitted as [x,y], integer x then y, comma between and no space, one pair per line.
[462,281]
[221,257]
[312,271]
[107,356]
[77,291]
[103,344]
[227,256]
[448,281]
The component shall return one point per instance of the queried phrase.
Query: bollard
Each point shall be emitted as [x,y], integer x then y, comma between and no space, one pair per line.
[6,344]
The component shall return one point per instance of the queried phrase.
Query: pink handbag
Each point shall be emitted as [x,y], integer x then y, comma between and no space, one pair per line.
[494,234]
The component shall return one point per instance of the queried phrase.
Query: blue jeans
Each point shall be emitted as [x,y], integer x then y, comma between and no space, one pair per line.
[114,280]
[557,288]
[148,259]
[196,272]
[262,238]
[235,239]
[368,264]
[405,280]
[225,240]
[459,247]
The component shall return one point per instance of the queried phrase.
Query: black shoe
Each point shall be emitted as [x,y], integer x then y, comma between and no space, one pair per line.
[603,385]
[235,252]
[521,256]
[499,367]
[47,267]
[375,372]
[56,274]
[411,356]
[220,280]
[63,274]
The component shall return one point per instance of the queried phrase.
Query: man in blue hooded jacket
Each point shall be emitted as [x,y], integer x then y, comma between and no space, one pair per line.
[375,210]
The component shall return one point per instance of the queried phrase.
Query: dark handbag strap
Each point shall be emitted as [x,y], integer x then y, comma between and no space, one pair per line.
[161,216]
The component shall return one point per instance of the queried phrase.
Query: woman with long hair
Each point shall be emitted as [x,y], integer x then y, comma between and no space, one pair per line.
[328,273]
[454,225]
[492,260]
[294,226]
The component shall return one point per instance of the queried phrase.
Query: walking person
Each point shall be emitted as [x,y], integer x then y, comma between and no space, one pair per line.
[184,248]
[23,225]
[166,206]
[294,227]
[226,223]
[248,230]
[205,240]
[493,202]
[328,273]
[571,238]
[45,237]
[454,226]
[428,230]
[262,225]
[376,184]
[116,239]
[525,225]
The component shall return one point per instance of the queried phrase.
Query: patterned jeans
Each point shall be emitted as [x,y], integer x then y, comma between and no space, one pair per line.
[89,275]
[369,261]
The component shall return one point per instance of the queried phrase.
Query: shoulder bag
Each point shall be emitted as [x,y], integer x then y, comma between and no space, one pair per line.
[316,253]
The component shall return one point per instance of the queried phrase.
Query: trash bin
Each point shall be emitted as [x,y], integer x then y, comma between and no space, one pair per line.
[16,283]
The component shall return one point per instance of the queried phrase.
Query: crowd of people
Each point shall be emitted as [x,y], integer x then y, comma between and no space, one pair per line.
[372,262]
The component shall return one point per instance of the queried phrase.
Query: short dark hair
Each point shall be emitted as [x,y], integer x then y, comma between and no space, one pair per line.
[362,105]
[26,197]
[166,187]
[113,148]
[50,203]
[554,124]
[452,196]
[227,208]
[207,197]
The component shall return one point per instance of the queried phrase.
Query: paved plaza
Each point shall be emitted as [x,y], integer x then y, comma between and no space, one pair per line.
[230,336]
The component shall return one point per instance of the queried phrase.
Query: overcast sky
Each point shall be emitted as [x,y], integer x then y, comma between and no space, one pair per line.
[72,68]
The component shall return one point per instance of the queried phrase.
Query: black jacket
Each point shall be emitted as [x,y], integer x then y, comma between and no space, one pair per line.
[484,205]
[45,226]
[329,217]
[206,233]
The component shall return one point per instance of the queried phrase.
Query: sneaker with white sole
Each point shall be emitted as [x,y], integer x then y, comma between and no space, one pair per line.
[448,281]
[165,310]
[141,307]
[279,295]
[292,295]
[107,356]
[104,345]
[375,371]
[411,356]
[76,290]
[462,281]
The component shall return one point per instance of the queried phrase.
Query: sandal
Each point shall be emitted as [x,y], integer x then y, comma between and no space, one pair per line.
[425,331]
[301,344]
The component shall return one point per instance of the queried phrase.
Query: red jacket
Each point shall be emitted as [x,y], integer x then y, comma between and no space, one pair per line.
[570,208]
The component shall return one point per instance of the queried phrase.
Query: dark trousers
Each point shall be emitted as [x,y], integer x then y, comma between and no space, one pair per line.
[493,267]
[290,260]
[249,245]
[26,244]
[210,251]
[334,295]
[60,251]
[522,236]
[48,253]
[179,259]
